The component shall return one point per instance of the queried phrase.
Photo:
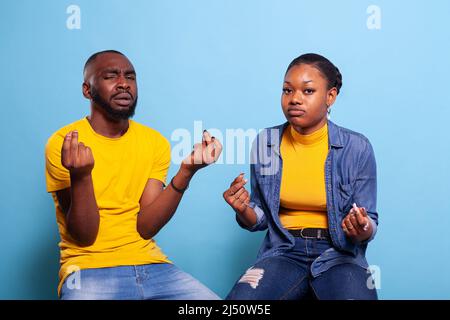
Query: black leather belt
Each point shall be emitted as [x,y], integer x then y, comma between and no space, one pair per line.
[311,233]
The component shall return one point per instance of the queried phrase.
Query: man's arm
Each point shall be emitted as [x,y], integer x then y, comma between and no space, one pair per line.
[157,204]
[78,202]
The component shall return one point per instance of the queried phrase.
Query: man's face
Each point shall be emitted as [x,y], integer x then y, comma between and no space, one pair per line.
[110,82]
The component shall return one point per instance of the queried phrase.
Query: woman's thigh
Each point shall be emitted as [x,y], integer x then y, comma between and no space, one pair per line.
[344,282]
[274,278]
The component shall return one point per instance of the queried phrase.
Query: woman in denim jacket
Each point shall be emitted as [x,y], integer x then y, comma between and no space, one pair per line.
[313,186]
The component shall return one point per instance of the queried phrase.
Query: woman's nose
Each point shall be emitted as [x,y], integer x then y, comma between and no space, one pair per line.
[297,98]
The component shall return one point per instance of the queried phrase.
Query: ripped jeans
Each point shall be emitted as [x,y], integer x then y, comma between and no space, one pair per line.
[288,277]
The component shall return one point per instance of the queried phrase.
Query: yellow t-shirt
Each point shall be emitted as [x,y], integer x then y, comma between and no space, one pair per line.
[121,170]
[303,199]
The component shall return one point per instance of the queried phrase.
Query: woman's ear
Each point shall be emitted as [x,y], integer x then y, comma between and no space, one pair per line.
[331,96]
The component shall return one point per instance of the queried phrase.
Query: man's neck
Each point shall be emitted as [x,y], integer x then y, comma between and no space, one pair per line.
[106,127]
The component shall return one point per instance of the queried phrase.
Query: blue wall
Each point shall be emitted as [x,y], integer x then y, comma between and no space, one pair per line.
[222,62]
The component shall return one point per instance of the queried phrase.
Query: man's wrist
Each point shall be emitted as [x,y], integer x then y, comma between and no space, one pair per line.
[186,173]
[80,176]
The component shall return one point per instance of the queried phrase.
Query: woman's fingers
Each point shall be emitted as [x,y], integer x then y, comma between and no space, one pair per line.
[348,226]
[238,193]
[239,178]
[230,194]
[356,224]
[362,219]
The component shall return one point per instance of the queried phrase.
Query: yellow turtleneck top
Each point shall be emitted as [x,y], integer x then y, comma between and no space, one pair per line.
[303,199]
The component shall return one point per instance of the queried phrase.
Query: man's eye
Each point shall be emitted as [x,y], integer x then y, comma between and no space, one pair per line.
[131,77]
[287,90]
[109,76]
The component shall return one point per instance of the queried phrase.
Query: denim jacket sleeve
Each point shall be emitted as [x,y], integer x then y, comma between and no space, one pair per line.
[255,195]
[365,194]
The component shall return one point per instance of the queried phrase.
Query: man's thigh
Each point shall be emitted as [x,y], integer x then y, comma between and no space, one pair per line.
[166,281]
[117,283]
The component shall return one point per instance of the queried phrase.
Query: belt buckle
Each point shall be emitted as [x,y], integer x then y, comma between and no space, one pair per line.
[305,237]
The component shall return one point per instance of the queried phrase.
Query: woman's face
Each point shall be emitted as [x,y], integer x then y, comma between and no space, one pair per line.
[305,98]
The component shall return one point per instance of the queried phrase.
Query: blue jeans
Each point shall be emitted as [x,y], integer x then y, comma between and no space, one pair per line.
[288,277]
[163,281]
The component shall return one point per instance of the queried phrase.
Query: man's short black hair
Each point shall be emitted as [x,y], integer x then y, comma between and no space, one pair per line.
[95,55]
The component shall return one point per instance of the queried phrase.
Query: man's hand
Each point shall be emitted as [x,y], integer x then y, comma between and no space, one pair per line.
[237,196]
[75,156]
[356,224]
[203,154]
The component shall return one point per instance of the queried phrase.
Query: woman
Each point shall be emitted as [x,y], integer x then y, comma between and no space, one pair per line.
[313,186]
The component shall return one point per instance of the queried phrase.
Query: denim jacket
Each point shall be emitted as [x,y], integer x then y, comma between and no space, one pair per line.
[350,177]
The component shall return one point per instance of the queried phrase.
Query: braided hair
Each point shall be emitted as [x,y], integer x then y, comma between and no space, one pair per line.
[328,69]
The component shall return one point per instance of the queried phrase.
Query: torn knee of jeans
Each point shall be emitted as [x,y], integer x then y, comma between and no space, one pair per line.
[252,277]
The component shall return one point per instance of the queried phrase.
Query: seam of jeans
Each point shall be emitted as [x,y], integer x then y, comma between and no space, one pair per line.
[138,283]
[313,290]
[293,287]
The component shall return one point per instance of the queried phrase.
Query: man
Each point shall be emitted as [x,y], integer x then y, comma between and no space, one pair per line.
[107,174]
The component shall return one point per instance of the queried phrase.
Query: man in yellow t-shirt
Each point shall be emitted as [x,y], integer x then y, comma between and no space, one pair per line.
[106,174]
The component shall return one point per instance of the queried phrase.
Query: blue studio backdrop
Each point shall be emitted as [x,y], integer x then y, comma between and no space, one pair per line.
[219,65]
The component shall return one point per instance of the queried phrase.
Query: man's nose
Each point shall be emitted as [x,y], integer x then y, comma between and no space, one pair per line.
[123,83]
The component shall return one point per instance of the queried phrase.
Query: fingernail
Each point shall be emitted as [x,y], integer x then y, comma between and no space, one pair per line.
[245,180]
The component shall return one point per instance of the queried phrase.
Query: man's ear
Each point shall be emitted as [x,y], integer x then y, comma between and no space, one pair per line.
[86,88]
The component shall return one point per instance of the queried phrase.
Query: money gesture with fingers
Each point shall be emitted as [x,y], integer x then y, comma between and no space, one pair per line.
[203,154]
[237,196]
[356,224]
[75,156]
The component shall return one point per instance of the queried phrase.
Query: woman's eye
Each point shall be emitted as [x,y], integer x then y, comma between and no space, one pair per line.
[309,91]
[287,90]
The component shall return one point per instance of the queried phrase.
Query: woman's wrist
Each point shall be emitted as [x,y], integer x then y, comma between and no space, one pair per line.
[247,216]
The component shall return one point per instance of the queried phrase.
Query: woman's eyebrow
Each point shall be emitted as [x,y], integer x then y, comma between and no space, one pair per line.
[304,81]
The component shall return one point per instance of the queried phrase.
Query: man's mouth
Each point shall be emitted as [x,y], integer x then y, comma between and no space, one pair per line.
[123,99]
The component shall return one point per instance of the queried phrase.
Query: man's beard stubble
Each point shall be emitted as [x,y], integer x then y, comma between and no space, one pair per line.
[113,114]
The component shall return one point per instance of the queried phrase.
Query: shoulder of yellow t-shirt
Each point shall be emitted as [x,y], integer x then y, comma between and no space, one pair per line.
[57,137]
[153,134]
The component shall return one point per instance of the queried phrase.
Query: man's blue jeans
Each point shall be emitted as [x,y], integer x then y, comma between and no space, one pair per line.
[151,281]
[288,277]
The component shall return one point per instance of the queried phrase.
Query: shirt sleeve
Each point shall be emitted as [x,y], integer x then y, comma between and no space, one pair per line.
[57,177]
[365,194]
[255,195]
[161,162]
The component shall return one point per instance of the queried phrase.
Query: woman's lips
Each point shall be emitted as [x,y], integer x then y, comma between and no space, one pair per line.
[296,112]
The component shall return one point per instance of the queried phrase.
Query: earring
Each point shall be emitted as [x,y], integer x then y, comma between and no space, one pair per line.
[328,113]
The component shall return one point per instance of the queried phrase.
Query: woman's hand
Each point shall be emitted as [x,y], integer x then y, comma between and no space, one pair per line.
[356,224]
[237,196]
[203,154]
